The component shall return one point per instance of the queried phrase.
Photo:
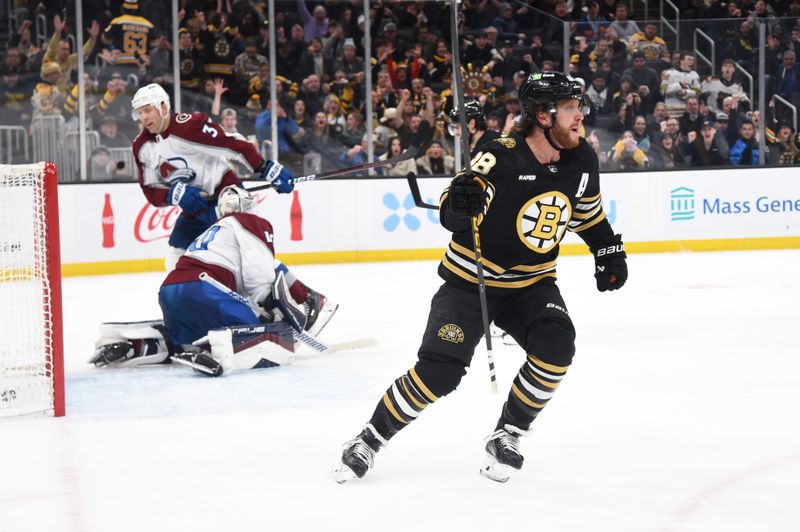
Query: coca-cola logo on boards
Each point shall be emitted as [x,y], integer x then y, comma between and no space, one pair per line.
[156,223]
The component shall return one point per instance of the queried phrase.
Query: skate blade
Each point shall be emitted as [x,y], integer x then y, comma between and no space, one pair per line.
[325,314]
[343,474]
[197,367]
[494,470]
[508,340]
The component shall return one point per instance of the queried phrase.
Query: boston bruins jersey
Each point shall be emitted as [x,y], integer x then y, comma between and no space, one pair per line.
[530,206]
[488,136]
[130,34]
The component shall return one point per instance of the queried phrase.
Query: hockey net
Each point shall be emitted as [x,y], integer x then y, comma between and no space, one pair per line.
[31,345]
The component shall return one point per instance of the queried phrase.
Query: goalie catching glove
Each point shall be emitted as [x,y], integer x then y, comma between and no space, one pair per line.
[610,268]
[467,195]
[275,173]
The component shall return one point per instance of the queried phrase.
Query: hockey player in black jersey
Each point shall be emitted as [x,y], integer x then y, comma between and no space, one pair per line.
[527,190]
[479,134]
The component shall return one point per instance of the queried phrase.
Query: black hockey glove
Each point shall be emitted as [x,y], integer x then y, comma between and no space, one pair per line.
[467,195]
[610,268]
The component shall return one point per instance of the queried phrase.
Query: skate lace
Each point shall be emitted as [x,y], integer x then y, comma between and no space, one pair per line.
[361,450]
[508,441]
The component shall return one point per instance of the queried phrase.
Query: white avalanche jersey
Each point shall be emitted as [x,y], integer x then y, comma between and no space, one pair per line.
[190,141]
[671,85]
[237,250]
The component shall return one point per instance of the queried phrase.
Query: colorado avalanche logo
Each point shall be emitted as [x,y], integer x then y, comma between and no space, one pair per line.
[167,167]
[183,118]
[542,221]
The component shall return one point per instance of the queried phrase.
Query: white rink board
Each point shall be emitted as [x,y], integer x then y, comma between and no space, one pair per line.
[374,215]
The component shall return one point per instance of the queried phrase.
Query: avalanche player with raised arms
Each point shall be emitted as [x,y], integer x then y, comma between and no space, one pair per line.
[225,304]
[526,190]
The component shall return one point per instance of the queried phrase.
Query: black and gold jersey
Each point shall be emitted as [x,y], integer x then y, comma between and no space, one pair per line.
[488,136]
[130,34]
[530,206]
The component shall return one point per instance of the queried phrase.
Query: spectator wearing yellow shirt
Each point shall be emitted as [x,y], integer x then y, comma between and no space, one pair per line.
[58,52]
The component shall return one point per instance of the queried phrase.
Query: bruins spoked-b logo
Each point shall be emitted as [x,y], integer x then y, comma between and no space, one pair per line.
[451,333]
[542,221]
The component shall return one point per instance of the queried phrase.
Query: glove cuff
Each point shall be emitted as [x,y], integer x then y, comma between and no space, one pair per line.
[611,247]
[176,193]
[273,171]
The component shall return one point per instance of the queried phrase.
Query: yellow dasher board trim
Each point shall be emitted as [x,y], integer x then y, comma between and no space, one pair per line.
[334,257]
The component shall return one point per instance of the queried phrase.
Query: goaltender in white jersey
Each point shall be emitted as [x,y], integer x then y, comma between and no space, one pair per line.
[228,304]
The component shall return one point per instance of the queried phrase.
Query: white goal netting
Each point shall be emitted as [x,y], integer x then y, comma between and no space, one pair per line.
[28,342]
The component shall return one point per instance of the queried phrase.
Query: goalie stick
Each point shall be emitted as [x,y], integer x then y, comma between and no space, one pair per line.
[301,336]
[424,136]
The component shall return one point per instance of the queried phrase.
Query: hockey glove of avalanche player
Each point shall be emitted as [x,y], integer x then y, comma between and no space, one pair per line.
[467,195]
[610,268]
[191,199]
[275,173]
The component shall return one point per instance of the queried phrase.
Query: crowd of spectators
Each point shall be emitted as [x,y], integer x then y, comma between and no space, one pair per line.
[651,107]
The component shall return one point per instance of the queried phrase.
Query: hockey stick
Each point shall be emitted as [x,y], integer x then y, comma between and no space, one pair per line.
[301,336]
[412,184]
[458,99]
[424,136]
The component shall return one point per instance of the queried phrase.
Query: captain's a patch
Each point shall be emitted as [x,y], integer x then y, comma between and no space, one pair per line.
[451,333]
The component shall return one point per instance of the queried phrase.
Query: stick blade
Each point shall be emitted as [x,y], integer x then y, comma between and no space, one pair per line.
[415,193]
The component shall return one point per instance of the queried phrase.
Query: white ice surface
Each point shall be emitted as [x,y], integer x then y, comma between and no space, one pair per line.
[680,413]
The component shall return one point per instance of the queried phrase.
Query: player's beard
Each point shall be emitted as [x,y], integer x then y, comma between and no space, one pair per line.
[562,137]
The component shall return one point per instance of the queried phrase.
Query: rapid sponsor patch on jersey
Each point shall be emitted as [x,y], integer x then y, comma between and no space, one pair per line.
[451,333]
[542,221]
[507,142]
[527,177]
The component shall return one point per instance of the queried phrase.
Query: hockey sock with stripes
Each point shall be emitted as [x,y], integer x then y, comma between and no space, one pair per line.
[533,387]
[405,399]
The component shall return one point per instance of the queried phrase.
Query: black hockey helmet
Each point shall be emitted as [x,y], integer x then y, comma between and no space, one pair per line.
[472,108]
[542,91]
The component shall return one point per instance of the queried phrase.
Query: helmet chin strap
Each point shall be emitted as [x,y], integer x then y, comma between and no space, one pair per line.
[163,118]
[550,139]
[546,130]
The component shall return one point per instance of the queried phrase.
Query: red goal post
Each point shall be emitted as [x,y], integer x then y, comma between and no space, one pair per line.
[31,331]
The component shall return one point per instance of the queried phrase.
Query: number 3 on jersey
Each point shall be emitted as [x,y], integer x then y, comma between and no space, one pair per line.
[211,130]
[201,242]
[483,162]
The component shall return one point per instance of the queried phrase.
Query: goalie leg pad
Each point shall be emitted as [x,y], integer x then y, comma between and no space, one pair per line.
[130,344]
[252,346]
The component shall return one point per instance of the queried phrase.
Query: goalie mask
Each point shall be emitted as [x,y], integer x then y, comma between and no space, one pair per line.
[235,199]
